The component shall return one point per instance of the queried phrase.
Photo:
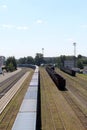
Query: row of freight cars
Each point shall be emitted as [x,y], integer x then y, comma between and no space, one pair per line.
[68,71]
[58,79]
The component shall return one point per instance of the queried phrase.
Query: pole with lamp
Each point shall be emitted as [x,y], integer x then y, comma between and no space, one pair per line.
[74,44]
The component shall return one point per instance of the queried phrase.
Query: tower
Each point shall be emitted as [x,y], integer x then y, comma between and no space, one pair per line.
[43,51]
[74,44]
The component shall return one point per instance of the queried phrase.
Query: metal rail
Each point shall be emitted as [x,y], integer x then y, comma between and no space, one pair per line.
[54,119]
[9,95]
[8,83]
[75,107]
[75,87]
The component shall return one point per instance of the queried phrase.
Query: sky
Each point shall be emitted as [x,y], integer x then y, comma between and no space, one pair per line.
[27,26]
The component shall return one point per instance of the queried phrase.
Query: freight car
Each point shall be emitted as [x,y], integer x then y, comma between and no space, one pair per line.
[58,80]
[68,71]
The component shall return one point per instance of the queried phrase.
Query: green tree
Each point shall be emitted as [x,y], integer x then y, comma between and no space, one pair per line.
[79,56]
[29,60]
[11,67]
[22,60]
[11,64]
[62,59]
[26,60]
[80,64]
[39,59]
[58,62]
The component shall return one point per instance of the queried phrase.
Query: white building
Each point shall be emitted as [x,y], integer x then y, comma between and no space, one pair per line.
[85,70]
[69,63]
[2,60]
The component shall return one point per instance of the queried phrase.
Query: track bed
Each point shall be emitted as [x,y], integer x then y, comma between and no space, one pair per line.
[59,110]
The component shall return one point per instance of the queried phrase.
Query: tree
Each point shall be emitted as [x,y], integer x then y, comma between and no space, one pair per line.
[26,60]
[80,64]
[11,64]
[39,59]
[22,60]
[79,56]
[58,62]
[62,59]
[29,60]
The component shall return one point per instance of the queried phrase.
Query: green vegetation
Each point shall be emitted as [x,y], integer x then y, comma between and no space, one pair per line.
[80,64]
[81,61]
[11,64]
[26,60]
[39,59]
[56,112]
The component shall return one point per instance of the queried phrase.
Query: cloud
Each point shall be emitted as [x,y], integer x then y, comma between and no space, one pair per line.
[22,27]
[7,26]
[4,6]
[39,21]
[70,40]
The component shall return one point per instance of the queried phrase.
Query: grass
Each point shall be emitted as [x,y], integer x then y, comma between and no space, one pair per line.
[79,86]
[82,76]
[56,113]
[8,116]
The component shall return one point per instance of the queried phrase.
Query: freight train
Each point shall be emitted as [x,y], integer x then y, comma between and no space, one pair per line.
[58,80]
[69,71]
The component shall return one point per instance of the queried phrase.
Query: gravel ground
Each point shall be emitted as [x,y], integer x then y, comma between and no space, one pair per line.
[8,74]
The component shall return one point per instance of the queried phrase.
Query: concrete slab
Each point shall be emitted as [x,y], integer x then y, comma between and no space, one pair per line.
[31,95]
[34,83]
[28,105]
[25,121]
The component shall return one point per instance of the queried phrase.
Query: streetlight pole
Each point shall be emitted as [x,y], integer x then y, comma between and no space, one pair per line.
[43,51]
[74,44]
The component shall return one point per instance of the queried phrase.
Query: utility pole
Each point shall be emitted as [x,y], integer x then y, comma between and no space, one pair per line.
[74,44]
[43,51]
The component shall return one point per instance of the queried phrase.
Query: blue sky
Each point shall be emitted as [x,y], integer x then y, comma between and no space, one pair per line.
[27,26]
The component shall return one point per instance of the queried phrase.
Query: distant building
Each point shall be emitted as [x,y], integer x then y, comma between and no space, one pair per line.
[69,63]
[2,60]
[85,70]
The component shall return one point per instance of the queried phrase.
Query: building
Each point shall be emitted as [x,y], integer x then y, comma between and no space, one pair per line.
[85,70]
[2,60]
[69,63]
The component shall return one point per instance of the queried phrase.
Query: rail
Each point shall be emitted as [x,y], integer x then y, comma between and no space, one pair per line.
[9,95]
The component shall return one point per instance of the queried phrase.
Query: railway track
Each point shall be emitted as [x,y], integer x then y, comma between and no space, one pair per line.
[80,114]
[76,87]
[57,112]
[84,77]
[82,81]
[9,89]
[55,121]
[79,102]
[8,83]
